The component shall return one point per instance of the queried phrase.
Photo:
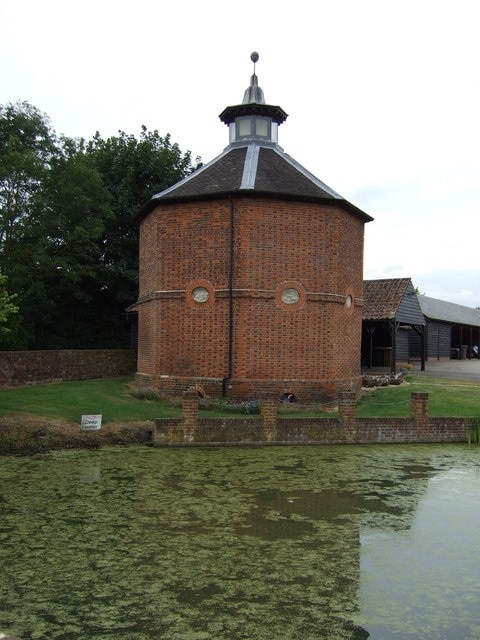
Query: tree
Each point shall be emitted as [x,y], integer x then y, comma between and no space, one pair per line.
[64,245]
[27,146]
[132,170]
[68,228]
[7,305]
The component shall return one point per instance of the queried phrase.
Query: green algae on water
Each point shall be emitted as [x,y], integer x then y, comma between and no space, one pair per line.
[254,543]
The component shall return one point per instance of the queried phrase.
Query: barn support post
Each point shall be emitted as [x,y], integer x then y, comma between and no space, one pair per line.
[423,347]
[393,333]
[369,330]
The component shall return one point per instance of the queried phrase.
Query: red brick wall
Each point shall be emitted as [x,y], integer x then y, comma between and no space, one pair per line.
[313,345]
[228,431]
[270,429]
[27,367]
[147,339]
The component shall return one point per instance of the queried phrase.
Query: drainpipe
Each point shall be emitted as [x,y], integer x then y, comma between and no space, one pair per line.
[230,299]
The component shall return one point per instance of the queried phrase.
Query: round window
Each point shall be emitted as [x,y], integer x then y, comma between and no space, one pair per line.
[348,301]
[200,294]
[290,296]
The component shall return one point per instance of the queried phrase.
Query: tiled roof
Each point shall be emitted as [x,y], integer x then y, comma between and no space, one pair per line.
[279,173]
[222,175]
[252,169]
[382,298]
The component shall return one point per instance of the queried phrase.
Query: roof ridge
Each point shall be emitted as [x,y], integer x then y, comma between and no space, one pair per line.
[250,167]
[308,174]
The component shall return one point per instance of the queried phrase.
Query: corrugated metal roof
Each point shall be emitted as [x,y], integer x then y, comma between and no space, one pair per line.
[451,312]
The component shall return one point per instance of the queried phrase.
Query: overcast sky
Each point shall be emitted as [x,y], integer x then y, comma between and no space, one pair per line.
[383,100]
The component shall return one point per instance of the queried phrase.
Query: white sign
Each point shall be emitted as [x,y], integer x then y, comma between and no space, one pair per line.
[91,423]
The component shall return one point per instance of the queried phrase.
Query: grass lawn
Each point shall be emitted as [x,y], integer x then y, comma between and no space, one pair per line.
[113,398]
[447,398]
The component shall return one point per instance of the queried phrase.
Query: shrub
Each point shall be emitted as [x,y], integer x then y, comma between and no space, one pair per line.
[251,406]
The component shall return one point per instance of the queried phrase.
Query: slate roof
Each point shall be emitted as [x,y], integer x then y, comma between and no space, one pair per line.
[252,169]
[382,298]
[451,312]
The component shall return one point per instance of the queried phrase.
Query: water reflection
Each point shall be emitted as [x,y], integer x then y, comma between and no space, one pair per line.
[423,582]
[306,542]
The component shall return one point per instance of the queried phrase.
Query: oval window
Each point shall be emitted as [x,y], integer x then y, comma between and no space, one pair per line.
[290,296]
[200,294]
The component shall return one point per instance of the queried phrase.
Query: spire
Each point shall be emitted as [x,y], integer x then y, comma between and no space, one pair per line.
[254,93]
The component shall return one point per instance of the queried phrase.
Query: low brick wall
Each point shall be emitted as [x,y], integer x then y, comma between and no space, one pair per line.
[190,430]
[30,367]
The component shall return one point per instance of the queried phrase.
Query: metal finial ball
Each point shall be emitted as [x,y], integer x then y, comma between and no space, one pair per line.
[254,57]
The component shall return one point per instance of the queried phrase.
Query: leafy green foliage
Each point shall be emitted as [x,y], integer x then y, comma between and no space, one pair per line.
[7,306]
[132,171]
[27,145]
[221,406]
[68,228]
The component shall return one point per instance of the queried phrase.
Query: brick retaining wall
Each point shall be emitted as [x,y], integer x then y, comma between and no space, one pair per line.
[30,367]
[271,429]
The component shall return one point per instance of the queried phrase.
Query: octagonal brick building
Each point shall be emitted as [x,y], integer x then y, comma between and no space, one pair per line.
[251,274]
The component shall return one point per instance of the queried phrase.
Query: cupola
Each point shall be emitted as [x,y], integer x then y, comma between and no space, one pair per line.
[253,120]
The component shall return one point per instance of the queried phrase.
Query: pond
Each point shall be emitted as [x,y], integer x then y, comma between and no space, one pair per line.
[268,543]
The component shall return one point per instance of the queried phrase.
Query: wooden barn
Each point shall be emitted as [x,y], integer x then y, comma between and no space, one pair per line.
[452,330]
[400,326]
[391,316]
